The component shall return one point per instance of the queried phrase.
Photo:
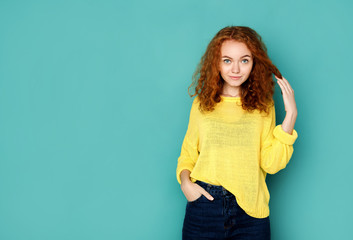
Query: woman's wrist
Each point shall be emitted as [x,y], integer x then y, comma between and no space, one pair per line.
[185,177]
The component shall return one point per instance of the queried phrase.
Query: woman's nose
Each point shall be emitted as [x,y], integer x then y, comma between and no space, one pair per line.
[235,68]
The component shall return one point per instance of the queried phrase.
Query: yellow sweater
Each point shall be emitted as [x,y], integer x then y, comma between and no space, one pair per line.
[236,149]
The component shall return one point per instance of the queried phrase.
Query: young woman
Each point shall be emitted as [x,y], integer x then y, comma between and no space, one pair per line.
[232,140]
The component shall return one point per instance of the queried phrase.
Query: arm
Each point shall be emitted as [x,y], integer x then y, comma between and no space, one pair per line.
[288,122]
[189,149]
[289,104]
[188,157]
[276,145]
[185,176]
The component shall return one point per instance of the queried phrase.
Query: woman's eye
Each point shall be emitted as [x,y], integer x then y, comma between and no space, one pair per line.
[226,60]
[246,60]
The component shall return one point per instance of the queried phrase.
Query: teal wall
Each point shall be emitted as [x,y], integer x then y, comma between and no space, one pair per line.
[94,108]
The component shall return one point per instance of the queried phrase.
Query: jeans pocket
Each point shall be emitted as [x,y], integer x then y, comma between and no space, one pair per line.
[197,200]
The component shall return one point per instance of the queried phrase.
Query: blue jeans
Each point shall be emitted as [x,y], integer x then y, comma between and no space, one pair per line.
[221,218]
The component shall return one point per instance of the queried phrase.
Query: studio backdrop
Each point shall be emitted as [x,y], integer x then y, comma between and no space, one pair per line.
[94,108]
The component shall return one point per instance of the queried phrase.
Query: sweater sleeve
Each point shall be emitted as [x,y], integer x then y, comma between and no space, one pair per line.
[276,145]
[189,149]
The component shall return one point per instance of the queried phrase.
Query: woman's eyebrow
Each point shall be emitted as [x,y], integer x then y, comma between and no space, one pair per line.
[232,58]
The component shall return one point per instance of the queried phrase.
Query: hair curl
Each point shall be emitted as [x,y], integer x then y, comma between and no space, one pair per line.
[256,92]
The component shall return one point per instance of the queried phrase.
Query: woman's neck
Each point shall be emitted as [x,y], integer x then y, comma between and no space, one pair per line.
[228,95]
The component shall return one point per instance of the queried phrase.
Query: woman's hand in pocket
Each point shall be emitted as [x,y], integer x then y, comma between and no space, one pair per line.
[193,191]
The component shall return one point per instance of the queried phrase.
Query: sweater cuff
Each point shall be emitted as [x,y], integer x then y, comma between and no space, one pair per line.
[283,136]
[181,167]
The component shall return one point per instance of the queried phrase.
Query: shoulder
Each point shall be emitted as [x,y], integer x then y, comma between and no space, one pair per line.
[195,108]
[196,100]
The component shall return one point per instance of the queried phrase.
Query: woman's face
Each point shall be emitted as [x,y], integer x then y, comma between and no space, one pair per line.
[237,62]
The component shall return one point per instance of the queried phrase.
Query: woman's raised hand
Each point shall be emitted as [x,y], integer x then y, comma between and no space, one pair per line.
[288,95]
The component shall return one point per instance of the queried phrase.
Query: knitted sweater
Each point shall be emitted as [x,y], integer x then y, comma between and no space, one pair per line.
[236,149]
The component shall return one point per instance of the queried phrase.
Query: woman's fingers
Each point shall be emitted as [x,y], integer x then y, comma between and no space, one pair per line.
[281,86]
[284,84]
[194,191]
[191,191]
[194,197]
[288,95]
[206,194]
[287,84]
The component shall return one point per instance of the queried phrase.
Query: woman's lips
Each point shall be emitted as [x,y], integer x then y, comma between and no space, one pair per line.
[234,77]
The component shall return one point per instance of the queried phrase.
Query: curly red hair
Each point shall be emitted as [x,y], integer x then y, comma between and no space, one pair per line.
[256,92]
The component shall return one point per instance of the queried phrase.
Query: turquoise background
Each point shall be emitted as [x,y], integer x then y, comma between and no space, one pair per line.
[94,108]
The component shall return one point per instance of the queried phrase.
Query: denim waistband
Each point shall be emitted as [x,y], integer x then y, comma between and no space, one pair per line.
[214,189]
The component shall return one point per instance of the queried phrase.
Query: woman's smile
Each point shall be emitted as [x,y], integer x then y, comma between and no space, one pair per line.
[235,77]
